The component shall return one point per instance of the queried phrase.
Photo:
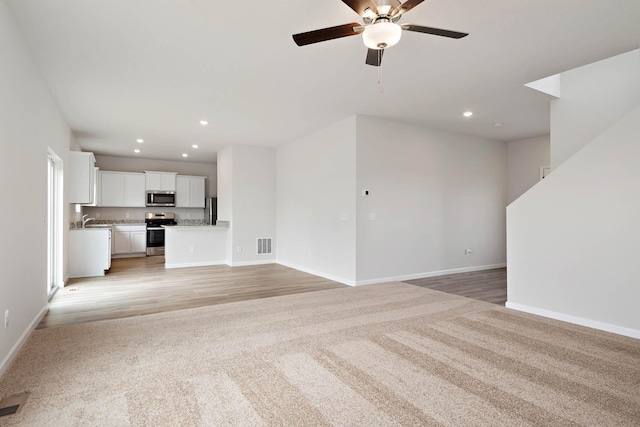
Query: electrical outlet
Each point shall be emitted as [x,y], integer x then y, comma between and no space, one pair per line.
[127,215]
[97,215]
[188,216]
[6,318]
[239,249]
[190,249]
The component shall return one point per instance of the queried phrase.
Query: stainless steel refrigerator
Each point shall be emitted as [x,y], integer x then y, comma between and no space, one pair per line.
[211,210]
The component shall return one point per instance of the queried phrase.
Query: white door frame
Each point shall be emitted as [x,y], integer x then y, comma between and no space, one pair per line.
[55,219]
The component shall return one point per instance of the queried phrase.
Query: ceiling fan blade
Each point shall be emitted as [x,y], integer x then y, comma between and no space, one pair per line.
[359,6]
[434,31]
[406,6]
[374,57]
[330,33]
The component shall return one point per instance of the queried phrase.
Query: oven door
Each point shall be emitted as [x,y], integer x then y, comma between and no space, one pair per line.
[155,241]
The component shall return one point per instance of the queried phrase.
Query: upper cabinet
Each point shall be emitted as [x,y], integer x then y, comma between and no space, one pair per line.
[82,178]
[122,189]
[160,181]
[190,191]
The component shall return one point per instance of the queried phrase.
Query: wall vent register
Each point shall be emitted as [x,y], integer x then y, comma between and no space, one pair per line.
[264,245]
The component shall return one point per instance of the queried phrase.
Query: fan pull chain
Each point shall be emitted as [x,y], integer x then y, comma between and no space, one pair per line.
[380,85]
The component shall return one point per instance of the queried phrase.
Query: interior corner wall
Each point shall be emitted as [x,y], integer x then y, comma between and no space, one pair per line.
[316,205]
[30,124]
[524,159]
[593,97]
[225,193]
[433,194]
[572,239]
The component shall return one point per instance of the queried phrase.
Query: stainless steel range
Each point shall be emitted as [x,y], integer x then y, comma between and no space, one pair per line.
[155,231]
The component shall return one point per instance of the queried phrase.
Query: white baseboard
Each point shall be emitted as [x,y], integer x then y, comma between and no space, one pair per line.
[195,264]
[318,273]
[429,274]
[22,340]
[594,324]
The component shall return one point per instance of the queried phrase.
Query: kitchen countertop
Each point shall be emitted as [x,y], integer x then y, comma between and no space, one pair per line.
[200,227]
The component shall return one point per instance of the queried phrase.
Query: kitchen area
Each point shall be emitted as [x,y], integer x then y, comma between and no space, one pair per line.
[128,213]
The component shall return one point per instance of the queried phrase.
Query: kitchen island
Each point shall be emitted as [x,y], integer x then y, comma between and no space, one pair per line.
[195,245]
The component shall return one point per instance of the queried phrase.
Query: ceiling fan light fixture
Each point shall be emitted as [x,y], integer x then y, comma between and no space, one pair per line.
[381,35]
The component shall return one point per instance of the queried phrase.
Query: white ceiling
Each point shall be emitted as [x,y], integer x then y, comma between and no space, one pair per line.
[152,69]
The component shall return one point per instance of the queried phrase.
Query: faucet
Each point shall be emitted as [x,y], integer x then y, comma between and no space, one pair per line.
[86,219]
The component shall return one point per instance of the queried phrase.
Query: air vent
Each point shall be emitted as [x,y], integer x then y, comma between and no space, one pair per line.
[12,404]
[264,245]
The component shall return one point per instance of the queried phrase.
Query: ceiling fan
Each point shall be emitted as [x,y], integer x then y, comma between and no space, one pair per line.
[379,31]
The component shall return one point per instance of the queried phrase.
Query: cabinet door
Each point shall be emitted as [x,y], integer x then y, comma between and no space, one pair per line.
[183,192]
[121,242]
[160,181]
[112,189]
[168,182]
[81,177]
[134,193]
[197,192]
[138,241]
[153,181]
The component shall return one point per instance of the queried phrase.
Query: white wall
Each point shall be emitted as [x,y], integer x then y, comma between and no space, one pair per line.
[316,205]
[225,192]
[593,97]
[29,123]
[573,238]
[433,195]
[524,158]
[247,198]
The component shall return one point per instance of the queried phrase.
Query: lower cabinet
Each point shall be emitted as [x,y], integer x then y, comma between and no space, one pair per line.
[89,252]
[129,240]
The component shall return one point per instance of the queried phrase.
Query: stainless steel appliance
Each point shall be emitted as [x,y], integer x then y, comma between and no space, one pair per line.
[211,210]
[155,232]
[161,199]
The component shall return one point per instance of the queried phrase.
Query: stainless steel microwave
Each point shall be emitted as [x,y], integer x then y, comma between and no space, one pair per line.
[161,198]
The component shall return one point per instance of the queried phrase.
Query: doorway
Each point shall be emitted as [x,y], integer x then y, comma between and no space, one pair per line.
[54,223]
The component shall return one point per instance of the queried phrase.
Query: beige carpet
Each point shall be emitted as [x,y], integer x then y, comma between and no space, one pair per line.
[391,354]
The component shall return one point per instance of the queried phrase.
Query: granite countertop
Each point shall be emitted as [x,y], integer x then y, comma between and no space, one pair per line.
[100,223]
[196,226]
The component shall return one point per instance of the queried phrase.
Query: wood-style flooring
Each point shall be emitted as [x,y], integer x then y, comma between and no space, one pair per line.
[487,285]
[136,286]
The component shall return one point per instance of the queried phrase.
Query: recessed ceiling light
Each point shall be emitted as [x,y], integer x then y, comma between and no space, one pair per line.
[498,125]
[139,140]
[204,122]
[136,151]
[194,146]
[185,155]
[468,113]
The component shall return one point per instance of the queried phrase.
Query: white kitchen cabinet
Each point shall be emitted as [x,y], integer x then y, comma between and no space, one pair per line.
[122,189]
[160,181]
[190,191]
[89,252]
[129,240]
[82,178]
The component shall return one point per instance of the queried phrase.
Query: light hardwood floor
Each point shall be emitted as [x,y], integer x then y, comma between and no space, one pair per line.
[487,285]
[136,286]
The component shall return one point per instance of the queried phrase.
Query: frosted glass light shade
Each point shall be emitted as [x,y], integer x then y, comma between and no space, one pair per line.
[381,35]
